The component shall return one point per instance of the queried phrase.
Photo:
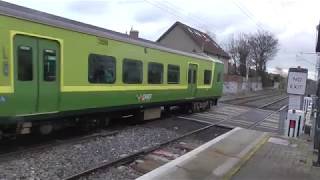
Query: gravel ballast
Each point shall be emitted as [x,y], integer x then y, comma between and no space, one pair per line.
[128,172]
[64,160]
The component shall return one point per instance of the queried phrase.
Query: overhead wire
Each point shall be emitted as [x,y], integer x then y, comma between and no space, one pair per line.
[178,13]
[194,18]
[164,9]
[247,13]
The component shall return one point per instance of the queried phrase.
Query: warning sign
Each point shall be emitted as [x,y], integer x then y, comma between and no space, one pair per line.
[297,82]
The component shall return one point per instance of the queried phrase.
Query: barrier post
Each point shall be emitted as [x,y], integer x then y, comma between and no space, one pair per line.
[317,128]
[317,163]
[282,120]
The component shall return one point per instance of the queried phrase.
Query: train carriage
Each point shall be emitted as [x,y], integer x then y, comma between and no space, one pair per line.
[53,69]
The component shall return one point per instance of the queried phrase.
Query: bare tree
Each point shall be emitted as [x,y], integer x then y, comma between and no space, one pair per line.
[263,46]
[244,52]
[231,47]
[239,50]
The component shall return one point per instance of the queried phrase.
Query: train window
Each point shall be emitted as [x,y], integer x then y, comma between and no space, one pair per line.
[49,65]
[194,80]
[102,69]
[219,77]
[132,71]
[25,70]
[189,76]
[192,76]
[173,74]
[155,73]
[207,77]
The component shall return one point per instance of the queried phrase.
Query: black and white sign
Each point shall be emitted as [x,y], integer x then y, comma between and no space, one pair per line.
[295,102]
[297,82]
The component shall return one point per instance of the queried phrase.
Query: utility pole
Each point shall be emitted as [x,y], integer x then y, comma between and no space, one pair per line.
[247,71]
[317,123]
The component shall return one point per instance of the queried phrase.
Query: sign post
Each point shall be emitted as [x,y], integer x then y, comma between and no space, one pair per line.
[297,81]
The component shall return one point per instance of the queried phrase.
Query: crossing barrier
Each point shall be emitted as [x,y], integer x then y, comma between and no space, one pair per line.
[307,104]
[294,123]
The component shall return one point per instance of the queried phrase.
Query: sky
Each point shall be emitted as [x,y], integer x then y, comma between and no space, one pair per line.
[293,22]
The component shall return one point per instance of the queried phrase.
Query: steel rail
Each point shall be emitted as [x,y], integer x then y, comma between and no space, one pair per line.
[273,102]
[255,124]
[245,97]
[134,156]
[257,98]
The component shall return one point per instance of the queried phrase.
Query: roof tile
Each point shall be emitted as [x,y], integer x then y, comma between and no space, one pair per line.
[202,39]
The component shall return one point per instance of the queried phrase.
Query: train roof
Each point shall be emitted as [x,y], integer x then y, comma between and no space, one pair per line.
[20,12]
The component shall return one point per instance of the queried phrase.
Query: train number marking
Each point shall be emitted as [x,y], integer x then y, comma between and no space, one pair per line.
[144,97]
[2,99]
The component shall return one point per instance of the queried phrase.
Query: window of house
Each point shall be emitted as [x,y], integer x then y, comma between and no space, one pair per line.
[132,71]
[49,65]
[173,74]
[25,69]
[102,69]
[155,73]
[207,77]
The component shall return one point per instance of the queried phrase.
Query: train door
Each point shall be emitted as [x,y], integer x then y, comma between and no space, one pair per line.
[36,77]
[26,74]
[48,97]
[192,79]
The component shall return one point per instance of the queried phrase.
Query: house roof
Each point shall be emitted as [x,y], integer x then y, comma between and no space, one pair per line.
[202,39]
[20,12]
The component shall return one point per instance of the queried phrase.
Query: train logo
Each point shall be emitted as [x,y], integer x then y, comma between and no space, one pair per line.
[2,99]
[144,97]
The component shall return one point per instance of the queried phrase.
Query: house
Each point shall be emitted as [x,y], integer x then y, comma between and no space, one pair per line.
[185,38]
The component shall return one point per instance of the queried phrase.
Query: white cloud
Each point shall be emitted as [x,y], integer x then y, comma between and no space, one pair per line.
[292,21]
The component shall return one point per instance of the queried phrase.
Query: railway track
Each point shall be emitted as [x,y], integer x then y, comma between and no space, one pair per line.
[248,97]
[6,154]
[274,105]
[132,157]
[270,101]
[246,101]
[127,159]
[138,155]
[170,128]
[271,113]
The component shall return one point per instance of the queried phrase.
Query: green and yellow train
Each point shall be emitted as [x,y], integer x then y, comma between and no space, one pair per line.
[57,70]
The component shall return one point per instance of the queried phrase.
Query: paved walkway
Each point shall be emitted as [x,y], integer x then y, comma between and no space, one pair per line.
[243,154]
[281,158]
[217,159]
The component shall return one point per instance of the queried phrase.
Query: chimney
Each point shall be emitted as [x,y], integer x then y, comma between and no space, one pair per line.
[134,34]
